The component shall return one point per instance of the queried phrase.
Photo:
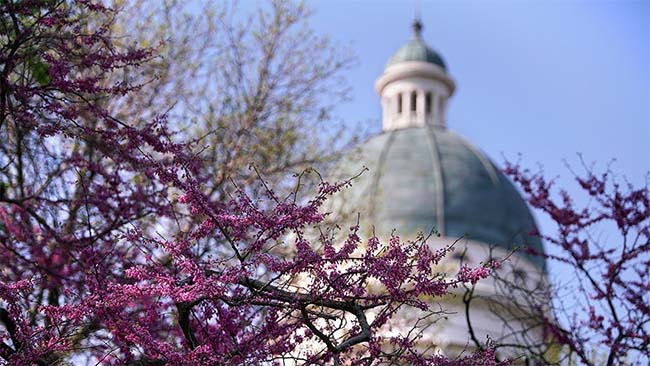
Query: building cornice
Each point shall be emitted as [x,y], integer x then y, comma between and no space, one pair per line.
[414,69]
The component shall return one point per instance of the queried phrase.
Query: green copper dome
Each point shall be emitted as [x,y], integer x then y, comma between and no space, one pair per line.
[417,50]
[427,177]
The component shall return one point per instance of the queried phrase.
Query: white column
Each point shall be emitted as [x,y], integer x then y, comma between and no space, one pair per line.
[443,120]
[421,111]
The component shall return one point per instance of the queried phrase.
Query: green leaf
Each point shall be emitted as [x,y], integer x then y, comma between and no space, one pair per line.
[41,72]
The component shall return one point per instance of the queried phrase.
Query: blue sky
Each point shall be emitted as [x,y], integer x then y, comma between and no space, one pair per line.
[544,79]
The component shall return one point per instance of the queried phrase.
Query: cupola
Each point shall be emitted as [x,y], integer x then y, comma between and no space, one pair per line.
[415,86]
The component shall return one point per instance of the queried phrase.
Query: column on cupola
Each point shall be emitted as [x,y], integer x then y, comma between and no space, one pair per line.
[421,112]
[439,102]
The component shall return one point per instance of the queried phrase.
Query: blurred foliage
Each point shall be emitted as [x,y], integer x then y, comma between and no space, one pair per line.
[249,88]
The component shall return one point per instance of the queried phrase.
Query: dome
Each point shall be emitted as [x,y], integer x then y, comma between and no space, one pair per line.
[417,50]
[427,177]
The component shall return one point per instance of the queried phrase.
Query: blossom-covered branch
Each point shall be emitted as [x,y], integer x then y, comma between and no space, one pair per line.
[601,316]
[90,271]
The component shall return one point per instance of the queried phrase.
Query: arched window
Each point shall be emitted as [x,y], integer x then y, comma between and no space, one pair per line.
[519,275]
[460,256]
[414,99]
[427,103]
[399,103]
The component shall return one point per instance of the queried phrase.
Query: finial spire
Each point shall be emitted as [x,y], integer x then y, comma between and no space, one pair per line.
[417,27]
[417,23]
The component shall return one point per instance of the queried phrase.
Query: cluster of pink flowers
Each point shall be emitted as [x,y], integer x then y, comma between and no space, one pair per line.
[473,275]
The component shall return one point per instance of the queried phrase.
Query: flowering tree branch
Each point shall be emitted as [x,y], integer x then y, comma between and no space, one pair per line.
[90,272]
[601,315]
